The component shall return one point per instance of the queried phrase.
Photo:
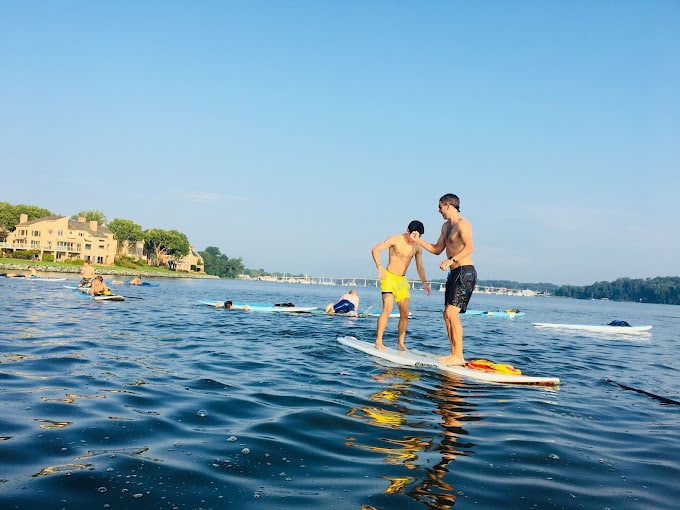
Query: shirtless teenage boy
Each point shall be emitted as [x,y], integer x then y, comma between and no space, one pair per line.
[98,287]
[393,282]
[456,238]
[87,273]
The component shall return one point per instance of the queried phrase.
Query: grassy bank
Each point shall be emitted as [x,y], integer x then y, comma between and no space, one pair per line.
[21,266]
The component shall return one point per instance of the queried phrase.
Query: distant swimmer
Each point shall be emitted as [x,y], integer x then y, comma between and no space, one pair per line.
[229,305]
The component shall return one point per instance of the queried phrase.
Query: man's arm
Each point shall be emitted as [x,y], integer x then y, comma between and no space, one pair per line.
[421,271]
[436,248]
[375,252]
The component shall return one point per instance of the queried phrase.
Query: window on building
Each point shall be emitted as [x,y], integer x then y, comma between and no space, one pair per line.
[88,246]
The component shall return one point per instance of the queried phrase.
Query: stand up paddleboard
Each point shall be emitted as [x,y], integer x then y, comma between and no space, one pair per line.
[597,328]
[110,297]
[496,313]
[85,292]
[365,313]
[424,360]
[238,305]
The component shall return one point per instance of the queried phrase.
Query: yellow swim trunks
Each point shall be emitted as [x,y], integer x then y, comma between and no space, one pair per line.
[397,285]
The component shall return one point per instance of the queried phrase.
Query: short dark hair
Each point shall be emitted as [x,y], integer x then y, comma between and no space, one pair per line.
[452,199]
[228,304]
[416,226]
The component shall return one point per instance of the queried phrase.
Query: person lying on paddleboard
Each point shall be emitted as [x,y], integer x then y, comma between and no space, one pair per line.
[229,305]
[348,303]
[136,281]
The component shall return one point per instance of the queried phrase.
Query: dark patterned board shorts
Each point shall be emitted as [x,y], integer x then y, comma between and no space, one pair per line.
[459,286]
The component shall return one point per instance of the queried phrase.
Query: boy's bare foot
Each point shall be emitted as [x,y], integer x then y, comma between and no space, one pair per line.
[380,346]
[451,360]
[402,347]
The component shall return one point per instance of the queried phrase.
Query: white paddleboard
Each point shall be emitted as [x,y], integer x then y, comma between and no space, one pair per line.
[418,359]
[360,314]
[110,297]
[599,329]
[86,292]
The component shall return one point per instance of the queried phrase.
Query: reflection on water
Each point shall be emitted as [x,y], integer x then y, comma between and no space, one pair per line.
[420,441]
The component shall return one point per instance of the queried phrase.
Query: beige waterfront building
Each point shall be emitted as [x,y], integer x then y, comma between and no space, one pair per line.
[64,239]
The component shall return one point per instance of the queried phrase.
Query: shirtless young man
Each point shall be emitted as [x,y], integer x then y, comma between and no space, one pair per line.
[393,282]
[87,273]
[98,287]
[456,238]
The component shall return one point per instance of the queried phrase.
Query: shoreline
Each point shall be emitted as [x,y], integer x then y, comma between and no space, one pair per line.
[98,270]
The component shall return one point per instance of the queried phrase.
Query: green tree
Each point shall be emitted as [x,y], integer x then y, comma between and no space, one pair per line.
[218,264]
[162,243]
[9,216]
[126,232]
[91,215]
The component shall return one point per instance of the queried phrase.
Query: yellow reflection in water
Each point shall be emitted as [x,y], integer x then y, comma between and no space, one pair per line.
[431,487]
[71,398]
[63,468]
[51,424]
[379,417]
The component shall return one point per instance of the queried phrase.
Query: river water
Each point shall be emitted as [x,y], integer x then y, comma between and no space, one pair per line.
[159,402]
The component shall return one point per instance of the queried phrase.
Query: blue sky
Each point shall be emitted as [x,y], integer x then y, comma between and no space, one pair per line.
[298,134]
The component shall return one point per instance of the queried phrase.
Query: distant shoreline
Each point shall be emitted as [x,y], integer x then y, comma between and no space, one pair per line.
[5,267]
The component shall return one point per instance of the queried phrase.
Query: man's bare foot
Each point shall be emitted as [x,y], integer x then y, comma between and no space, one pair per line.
[451,360]
[380,346]
[402,347]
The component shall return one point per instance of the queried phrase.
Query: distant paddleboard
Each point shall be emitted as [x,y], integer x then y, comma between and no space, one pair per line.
[483,371]
[366,313]
[606,328]
[238,305]
[110,297]
[84,291]
[496,313]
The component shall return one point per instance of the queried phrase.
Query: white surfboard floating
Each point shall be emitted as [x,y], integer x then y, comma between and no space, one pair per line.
[419,359]
[605,328]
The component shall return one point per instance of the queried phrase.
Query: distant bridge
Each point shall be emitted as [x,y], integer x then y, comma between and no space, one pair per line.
[374,282]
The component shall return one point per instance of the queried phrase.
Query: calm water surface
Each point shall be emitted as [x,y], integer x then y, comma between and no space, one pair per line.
[160,402]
